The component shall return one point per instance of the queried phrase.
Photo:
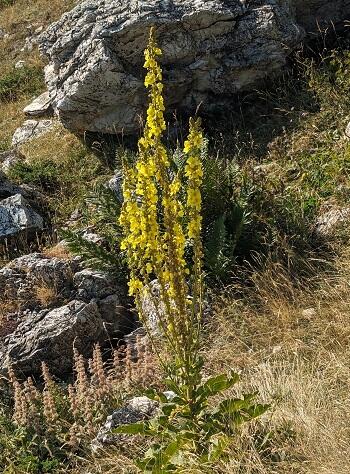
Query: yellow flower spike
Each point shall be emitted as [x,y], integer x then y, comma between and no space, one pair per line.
[154,217]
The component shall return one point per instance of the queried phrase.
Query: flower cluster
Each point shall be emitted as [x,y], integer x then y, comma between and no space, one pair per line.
[156,222]
[194,174]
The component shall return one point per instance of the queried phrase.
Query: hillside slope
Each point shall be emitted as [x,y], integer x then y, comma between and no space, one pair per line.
[277,181]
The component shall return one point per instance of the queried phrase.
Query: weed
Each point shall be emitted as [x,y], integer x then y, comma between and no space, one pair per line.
[26,80]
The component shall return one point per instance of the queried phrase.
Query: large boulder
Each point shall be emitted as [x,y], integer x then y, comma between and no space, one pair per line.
[50,338]
[56,303]
[211,50]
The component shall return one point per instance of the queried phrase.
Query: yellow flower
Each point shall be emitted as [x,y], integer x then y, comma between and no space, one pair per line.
[156,222]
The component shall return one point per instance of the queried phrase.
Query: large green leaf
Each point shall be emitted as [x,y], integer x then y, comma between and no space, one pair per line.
[134,428]
[232,405]
[217,384]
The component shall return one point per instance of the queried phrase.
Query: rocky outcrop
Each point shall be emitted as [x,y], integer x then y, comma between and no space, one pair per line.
[17,218]
[58,303]
[211,50]
[50,337]
[20,208]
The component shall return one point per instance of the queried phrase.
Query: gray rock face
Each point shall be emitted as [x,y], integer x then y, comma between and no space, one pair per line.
[20,278]
[331,223]
[17,216]
[47,328]
[211,50]
[8,159]
[136,410]
[50,338]
[30,129]
[39,107]
[93,284]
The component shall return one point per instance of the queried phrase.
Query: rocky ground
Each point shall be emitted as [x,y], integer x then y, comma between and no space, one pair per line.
[279,305]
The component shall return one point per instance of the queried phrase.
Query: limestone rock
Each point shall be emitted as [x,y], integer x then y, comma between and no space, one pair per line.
[331,222]
[347,130]
[50,338]
[136,410]
[17,216]
[9,158]
[39,107]
[211,50]
[20,64]
[115,184]
[30,129]
[102,304]
[94,284]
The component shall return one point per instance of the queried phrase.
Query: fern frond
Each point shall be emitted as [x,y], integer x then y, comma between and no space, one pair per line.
[93,254]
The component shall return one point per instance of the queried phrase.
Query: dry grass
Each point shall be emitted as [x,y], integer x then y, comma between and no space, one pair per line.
[293,346]
[77,169]
[46,295]
[19,21]
[11,117]
[58,251]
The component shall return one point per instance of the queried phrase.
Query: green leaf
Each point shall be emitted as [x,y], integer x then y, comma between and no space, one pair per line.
[257,410]
[168,408]
[217,384]
[152,394]
[232,405]
[134,428]
[218,444]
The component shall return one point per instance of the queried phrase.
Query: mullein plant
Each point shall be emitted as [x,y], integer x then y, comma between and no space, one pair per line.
[161,222]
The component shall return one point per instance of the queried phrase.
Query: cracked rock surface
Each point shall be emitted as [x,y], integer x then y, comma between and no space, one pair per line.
[57,304]
[211,50]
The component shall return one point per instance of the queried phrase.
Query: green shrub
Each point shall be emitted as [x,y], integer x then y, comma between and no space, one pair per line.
[26,80]
[45,174]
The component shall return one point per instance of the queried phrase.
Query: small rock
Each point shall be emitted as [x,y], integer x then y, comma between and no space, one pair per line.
[39,107]
[92,237]
[8,159]
[94,284]
[309,313]
[115,184]
[332,221]
[347,130]
[17,216]
[20,64]
[30,129]
[136,410]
